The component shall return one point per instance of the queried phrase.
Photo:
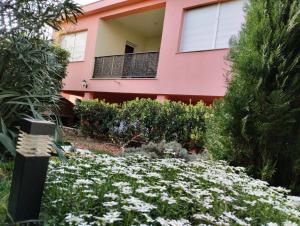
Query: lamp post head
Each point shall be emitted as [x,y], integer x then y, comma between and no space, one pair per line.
[35,137]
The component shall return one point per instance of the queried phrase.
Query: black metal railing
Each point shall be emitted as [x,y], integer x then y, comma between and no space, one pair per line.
[132,65]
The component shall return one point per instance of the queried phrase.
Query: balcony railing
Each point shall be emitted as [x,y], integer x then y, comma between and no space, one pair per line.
[132,65]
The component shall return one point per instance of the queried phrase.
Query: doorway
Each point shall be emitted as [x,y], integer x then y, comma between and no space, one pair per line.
[128,59]
[129,49]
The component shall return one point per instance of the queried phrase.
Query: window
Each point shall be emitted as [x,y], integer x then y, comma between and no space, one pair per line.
[211,27]
[75,45]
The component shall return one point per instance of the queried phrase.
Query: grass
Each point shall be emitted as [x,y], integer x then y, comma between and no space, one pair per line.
[6,169]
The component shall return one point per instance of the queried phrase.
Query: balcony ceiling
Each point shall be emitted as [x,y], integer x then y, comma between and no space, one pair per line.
[148,24]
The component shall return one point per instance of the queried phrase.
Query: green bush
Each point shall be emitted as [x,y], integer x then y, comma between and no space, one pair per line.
[159,150]
[97,117]
[140,118]
[217,141]
[154,121]
[259,121]
[6,170]
[195,127]
[144,120]
[31,73]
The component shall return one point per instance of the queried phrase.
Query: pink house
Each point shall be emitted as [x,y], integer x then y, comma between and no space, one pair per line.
[161,49]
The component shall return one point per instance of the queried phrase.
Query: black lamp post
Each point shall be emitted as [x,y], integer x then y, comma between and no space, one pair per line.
[31,164]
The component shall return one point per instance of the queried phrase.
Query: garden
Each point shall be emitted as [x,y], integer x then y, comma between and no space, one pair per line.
[137,190]
[236,162]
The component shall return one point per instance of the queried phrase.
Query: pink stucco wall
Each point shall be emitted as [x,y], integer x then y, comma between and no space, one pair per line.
[195,73]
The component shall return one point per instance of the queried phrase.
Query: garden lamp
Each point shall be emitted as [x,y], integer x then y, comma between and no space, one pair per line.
[30,169]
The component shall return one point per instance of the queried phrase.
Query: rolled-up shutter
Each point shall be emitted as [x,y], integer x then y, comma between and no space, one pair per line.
[67,43]
[231,18]
[79,48]
[211,27]
[75,44]
[198,28]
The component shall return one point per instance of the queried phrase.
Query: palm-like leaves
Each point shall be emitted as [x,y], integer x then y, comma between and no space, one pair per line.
[31,16]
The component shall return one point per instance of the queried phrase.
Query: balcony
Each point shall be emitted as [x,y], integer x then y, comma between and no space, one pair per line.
[131,65]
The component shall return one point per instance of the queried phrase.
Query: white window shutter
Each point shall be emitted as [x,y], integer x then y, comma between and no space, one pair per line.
[75,45]
[211,27]
[67,42]
[79,48]
[231,18]
[198,28]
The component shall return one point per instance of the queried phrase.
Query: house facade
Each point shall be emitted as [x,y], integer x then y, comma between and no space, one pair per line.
[161,49]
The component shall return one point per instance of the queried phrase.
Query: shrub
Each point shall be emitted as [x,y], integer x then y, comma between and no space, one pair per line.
[159,150]
[218,141]
[140,118]
[6,170]
[145,120]
[261,106]
[170,120]
[195,127]
[97,117]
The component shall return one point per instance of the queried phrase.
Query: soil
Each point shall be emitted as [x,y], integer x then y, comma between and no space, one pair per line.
[79,141]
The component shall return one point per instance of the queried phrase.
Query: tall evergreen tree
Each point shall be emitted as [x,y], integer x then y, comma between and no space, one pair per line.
[262,104]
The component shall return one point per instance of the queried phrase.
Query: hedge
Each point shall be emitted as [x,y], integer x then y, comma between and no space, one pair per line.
[96,117]
[145,120]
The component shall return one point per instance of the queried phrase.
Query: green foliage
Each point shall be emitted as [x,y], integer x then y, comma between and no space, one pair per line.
[218,141]
[144,120]
[159,150]
[97,117]
[30,81]
[140,119]
[31,16]
[154,121]
[260,125]
[5,178]
[31,66]
[194,125]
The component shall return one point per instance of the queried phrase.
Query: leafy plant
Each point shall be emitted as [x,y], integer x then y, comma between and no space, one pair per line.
[6,170]
[218,140]
[97,117]
[144,120]
[140,118]
[153,121]
[31,66]
[159,150]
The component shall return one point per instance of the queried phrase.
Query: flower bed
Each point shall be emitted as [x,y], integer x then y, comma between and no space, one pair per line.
[138,191]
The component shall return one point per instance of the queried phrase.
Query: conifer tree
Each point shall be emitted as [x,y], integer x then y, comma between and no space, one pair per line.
[260,116]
